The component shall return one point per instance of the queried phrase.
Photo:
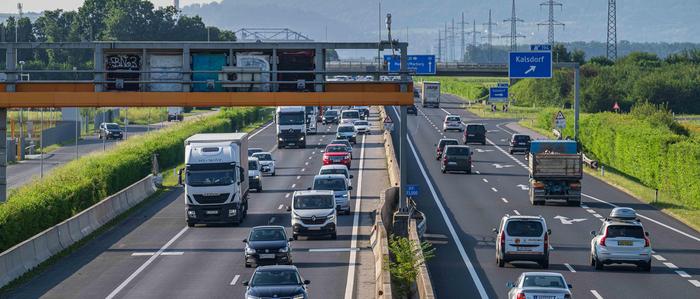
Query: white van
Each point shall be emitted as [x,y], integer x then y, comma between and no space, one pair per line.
[522,238]
[313,213]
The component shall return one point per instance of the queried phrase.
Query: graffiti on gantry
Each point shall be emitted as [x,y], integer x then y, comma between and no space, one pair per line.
[129,62]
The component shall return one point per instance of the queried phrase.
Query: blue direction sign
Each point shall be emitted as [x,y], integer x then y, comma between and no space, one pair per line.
[498,94]
[503,84]
[420,64]
[412,190]
[545,47]
[530,65]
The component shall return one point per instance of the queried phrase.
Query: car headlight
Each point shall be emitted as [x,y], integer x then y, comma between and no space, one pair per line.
[300,296]
[253,297]
[192,214]
[249,250]
[302,138]
[331,217]
[257,177]
[285,249]
[345,195]
[281,139]
[295,217]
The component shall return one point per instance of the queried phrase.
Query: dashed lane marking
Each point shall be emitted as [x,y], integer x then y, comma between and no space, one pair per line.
[280,207]
[695,283]
[670,265]
[683,274]
[504,200]
[516,212]
[659,258]
[494,189]
[298,177]
[596,295]
[485,180]
[294,186]
[570,268]
[234,280]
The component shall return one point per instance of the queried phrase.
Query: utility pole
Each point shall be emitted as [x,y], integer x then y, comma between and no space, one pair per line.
[513,29]
[612,30]
[551,22]
[472,47]
[464,50]
[447,44]
[453,36]
[489,36]
[440,58]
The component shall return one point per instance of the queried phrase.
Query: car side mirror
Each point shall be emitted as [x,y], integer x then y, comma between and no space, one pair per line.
[646,234]
[245,240]
[593,233]
[242,174]
[349,188]
[179,176]
[307,281]
[289,209]
[495,231]
[510,285]
[246,283]
[352,176]
[549,231]
[570,286]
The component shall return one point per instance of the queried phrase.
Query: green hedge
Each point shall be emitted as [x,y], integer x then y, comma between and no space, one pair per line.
[654,154]
[77,185]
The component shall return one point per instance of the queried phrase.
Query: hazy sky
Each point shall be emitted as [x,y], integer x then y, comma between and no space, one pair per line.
[41,5]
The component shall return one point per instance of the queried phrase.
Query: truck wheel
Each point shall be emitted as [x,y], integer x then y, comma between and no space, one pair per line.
[574,203]
[334,236]
[279,146]
[247,265]
[295,237]
[273,173]
[545,263]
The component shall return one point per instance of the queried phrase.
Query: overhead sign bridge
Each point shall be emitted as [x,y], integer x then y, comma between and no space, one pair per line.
[202,74]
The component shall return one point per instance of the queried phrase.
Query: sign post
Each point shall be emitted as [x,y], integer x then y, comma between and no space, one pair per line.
[420,64]
[560,120]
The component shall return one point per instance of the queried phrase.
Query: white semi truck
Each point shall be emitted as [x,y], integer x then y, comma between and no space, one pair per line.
[430,95]
[291,126]
[214,177]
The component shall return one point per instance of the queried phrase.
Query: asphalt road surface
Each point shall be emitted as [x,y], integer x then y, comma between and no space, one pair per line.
[462,210]
[153,254]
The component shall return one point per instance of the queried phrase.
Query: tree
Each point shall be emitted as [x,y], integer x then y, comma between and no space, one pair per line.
[601,61]
[560,54]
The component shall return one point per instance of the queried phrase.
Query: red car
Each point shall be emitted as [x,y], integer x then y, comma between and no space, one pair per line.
[337,154]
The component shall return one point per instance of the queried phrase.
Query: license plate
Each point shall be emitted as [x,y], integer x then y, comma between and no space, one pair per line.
[471,135]
[451,163]
[624,243]
[522,143]
[545,297]
[267,256]
[336,159]
[314,228]
[292,144]
[522,248]
[214,212]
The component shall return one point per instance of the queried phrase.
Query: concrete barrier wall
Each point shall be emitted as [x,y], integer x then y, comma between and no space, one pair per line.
[63,131]
[423,282]
[25,256]
[380,248]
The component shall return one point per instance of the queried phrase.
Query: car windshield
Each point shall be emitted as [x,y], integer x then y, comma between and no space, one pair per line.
[625,231]
[335,171]
[275,277]
[476,129]
[210,178]
[444,143]
[253,151]
[336,149]
[345,129]
[457,151]
[453,118]
[291,119]
[312,202]
[543,281]
[521,138]
[524,228]
[331,113]
[112,127]
[263,157]
[267,234]
[330,184]
[351,114]
[252,165]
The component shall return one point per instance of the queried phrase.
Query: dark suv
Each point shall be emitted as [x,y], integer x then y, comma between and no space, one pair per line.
[276,282]
[267,244]
[111,131]
[440,146]
[457,158]
[330,117]
[519,143]
[475,133]
[412,110]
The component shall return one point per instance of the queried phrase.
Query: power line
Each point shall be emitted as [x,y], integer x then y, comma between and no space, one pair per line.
[513,29]
[463,48]
[474,33]
[453,39]
[612,30]
[551,23]
[489,37]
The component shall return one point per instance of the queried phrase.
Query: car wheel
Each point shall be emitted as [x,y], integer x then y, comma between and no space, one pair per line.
[646,267]
[469,171]
[483,143]
[511,152]
[443,170]
[273,173]
[260,189]
[295,237]
[545,264]
[592,260]
[598,264]
[247,265]
[501,263]
[334,236]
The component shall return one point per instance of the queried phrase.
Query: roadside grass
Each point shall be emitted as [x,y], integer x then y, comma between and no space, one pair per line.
[143,115]
[514,112]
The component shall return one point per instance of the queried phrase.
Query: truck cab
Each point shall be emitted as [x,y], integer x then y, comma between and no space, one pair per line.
[214,177]
[291,126]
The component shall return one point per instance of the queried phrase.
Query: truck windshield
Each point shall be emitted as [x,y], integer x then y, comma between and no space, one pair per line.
[287,119]
[210,178]
[312,202]
[330,184]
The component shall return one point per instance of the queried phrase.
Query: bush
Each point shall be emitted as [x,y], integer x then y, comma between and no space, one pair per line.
[70,189]
[405,265]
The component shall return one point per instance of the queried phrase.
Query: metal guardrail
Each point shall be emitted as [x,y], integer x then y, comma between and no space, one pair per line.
[593,164]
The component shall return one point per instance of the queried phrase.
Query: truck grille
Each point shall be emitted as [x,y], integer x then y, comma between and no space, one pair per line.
[308,220]
[204,199]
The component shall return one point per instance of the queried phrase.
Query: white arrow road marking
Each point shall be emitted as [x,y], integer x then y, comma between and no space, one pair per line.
[478,150]
[523,187]
[499,166]
[567,220]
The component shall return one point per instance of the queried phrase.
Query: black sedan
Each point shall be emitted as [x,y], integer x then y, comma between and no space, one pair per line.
[276,282]
[267,245]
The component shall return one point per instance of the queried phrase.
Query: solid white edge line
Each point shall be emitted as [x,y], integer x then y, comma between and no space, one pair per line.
[659,258]
[570,268]
[148,262]
[670,265]
[260,130]
[169,253]
[350,283]
[332,250]
[234,280]
[596,295]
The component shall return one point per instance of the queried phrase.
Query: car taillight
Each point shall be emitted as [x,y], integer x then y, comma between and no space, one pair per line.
[347,157]
[503,240]
[602,240]
[647,242]
[575,185]
[521,295]
[444,160]
[538,185]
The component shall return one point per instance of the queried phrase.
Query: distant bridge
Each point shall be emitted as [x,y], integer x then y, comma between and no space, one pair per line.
[443,69]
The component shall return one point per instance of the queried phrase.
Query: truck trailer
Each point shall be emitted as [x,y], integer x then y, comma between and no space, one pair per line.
[555,172]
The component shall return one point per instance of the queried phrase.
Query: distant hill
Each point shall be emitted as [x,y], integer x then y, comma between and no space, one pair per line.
[638,20]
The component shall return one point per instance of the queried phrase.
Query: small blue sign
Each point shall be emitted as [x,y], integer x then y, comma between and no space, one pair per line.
[412,190]
[498,94]
[530,65]
[420,64]
[503,84]
[545,47]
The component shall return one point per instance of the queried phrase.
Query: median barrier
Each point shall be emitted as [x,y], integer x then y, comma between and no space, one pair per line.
[380,249]
[423,282]
[25,256]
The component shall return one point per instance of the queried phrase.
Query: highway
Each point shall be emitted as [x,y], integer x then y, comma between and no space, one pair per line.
[153,254]
[462,210]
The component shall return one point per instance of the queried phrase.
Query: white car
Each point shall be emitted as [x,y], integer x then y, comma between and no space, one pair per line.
[522,238]
[536,285]
[349,116]
[267,163]
[621,240]
[362,126]
[337,169]
[452,122]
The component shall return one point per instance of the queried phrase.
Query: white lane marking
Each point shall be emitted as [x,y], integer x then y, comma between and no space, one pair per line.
[294,186]
[596,295]
[450,227]
[306,163]
[286,195]
[494,189]
[448,112]
[298,177]
[570,268]
[647,218]
[146,264]
[235,279]
[303,169]
[596,215]
[334,250]
[590,211]
[659,258]
[695,283]
[311,158]
[261,129]
[169,253]
[478,172]
[485,180]
[584,206]
[516,212]
[670,265]
[272,220]
[350,283]
[313,153]
[683,274]
[504,200]
[280,207]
